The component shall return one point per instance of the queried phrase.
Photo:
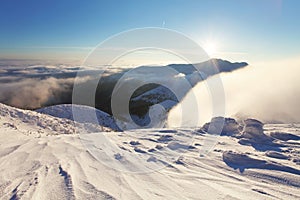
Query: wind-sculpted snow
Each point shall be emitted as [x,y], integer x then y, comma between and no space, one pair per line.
[55,165]
[243,161]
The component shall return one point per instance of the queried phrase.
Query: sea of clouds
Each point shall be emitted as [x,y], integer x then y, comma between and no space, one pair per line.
[269,91]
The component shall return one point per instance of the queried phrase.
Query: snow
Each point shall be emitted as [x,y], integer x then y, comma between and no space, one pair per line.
[33,123]
[42,157]
[65,111]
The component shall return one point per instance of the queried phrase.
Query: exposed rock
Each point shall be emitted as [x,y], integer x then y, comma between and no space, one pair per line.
[222,126]
[253,130]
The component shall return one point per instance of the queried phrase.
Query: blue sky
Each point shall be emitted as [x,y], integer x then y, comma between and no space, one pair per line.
[250,30]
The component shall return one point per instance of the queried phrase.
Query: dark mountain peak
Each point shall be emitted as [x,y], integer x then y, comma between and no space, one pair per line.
[225,65]
[210,67]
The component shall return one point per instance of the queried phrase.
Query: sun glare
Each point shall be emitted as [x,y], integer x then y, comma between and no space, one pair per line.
[210,47]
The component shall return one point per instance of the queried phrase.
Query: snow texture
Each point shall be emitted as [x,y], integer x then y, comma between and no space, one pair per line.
[42,157]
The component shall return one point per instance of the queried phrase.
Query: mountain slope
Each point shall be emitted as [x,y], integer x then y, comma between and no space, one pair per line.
[30,122]
[65,111]
[145,97]
[59,166]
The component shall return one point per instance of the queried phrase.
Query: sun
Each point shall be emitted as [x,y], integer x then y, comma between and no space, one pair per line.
[210,47]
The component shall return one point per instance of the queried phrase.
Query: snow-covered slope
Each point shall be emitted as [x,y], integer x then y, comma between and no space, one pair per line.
[30,122]
[65,111]
[59,166]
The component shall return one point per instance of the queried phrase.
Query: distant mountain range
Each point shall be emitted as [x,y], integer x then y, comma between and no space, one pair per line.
[149,94]
[38,86]
[152,94]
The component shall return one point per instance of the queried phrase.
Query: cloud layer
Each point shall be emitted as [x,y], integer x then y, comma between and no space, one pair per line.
[37,86]
[267,91]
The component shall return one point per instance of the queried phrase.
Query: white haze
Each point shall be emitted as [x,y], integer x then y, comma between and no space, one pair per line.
[267,91]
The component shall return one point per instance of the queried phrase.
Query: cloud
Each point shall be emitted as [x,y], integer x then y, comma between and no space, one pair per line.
[34,93]
[267,91]
[37,86]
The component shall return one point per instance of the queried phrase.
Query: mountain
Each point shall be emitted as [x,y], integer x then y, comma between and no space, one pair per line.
[210,67]
[45,85]
[150,94]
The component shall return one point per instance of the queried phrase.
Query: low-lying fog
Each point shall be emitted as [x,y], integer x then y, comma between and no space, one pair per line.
[267,91]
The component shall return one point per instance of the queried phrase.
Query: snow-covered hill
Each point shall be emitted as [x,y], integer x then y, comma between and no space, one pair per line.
[65,111]
[33,123]
[250,161]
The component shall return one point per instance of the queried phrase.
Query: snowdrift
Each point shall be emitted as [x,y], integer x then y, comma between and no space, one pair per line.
[41,158]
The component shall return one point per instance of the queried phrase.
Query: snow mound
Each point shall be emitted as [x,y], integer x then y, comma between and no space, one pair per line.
[65,111]
[242,161]
[275,154]
[31,122]
[284,136]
